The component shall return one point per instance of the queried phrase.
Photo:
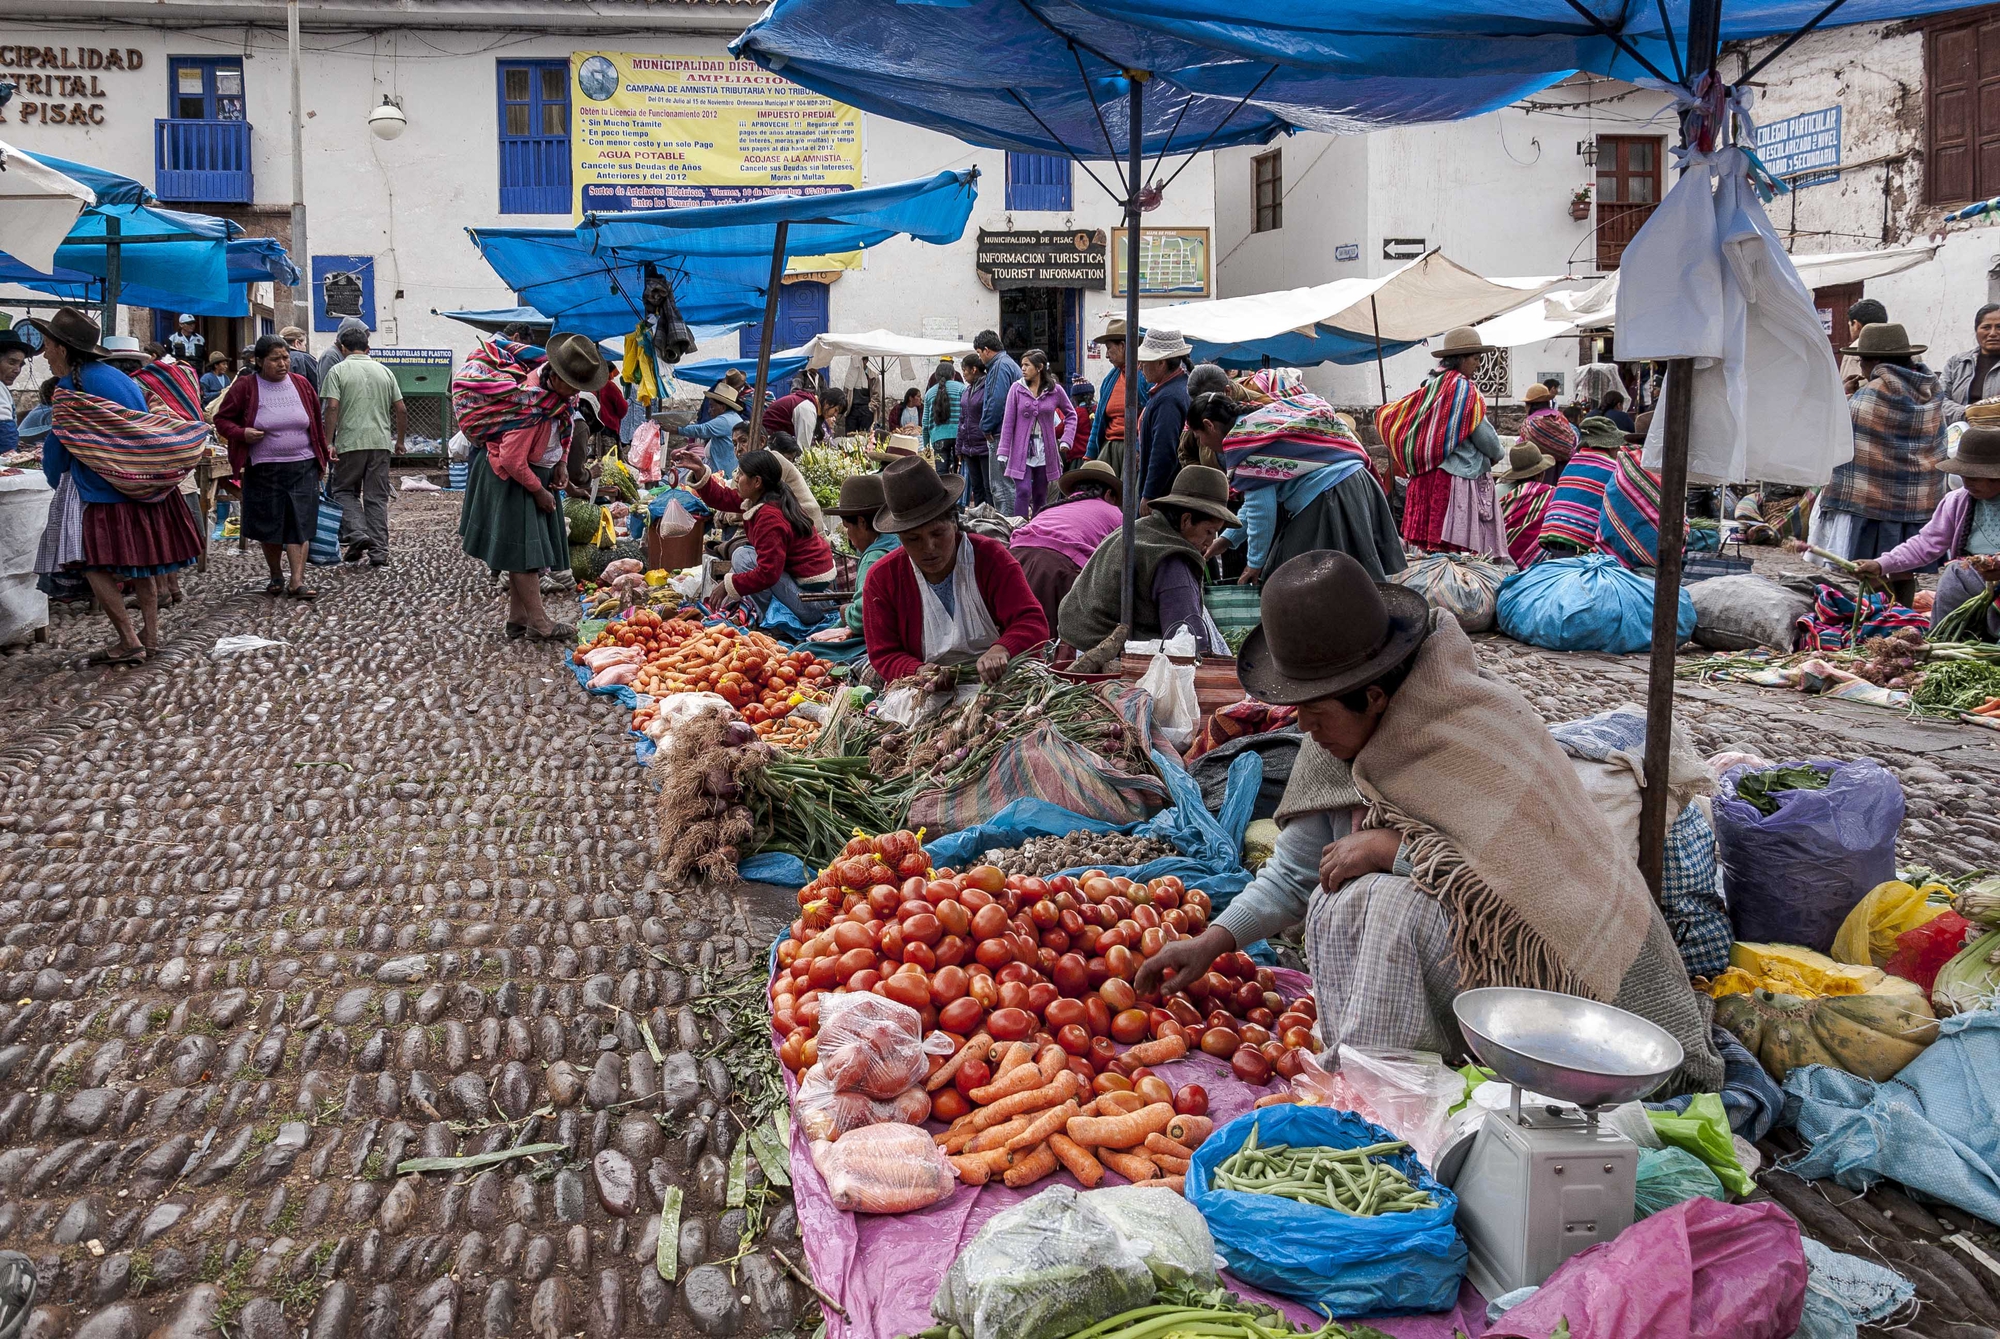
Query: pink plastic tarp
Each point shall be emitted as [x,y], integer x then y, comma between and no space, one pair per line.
[884,1269]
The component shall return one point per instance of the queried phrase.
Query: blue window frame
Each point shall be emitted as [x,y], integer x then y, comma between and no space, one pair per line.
[205,88]
[534,136]
[1038,181]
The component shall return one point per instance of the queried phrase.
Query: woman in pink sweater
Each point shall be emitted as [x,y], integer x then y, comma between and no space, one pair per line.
[1037,425]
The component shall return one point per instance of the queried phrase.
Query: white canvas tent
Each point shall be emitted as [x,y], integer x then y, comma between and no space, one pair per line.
[821,350]
[38,207]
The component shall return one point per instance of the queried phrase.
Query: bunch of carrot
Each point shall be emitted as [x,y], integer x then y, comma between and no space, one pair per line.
[1033,1117]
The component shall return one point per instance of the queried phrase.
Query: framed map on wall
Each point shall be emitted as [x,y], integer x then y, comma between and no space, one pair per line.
[1173,262]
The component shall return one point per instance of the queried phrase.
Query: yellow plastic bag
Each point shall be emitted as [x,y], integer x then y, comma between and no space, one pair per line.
[1868,936]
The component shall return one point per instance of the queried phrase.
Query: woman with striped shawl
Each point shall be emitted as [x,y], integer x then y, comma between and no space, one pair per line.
[1569,526]
[115,466]
[1527,501]
[1439,435]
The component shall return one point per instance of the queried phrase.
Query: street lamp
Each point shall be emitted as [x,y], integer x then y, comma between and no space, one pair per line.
[388,121]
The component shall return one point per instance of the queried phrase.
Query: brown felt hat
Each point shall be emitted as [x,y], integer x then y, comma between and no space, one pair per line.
[71,329]
[1525,461]
[1203,490]
[914,495]
[1978,455]
[1537,394]
[1886,340]
[1114,333]
[1094,472]
[578,361]
[860,496]
[1328,629]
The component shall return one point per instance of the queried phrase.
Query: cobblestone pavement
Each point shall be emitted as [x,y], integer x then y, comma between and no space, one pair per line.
[270,925]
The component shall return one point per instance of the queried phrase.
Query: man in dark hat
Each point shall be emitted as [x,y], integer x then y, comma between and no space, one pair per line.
[946,597]
[860,499]
[1479,859]
[1891,488]
[1172,544]
[1964,532]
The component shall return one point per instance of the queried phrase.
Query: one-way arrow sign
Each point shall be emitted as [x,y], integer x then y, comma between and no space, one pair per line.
[1402,248]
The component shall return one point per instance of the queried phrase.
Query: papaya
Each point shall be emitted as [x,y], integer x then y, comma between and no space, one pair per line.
[1872,1035]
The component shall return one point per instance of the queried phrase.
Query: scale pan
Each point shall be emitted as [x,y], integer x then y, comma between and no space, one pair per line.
[1572,1049]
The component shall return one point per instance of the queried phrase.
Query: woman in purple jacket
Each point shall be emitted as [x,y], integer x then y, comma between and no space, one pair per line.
[1035,429]
[1964,532]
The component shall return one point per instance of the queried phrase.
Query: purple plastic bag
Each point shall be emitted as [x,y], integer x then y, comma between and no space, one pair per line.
[1793,877]
[1700,1270]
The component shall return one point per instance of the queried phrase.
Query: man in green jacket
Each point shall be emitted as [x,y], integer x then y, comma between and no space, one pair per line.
[860,498]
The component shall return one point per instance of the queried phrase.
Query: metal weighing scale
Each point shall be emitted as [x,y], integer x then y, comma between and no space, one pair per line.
[1537,1183]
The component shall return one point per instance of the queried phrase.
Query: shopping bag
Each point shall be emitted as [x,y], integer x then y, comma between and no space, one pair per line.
[675,521]
[1176,711]
[325,551]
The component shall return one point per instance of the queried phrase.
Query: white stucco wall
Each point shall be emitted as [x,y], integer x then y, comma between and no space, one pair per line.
[408,202]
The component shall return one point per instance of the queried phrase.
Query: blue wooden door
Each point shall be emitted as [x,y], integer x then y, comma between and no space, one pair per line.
[534,137]
[802,313]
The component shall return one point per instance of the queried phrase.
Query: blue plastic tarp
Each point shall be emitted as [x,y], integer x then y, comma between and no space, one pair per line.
[1292,349]
[111,188]
[718,257]
[249,260]
[711,370]
[1046,76]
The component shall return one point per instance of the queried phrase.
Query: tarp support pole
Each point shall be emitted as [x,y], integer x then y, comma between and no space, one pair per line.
[763,389]
[1381,372]
[1704,38]
[113,282]
[1135,473]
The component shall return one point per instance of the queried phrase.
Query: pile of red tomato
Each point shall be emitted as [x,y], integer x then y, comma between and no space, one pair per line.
[1015,956]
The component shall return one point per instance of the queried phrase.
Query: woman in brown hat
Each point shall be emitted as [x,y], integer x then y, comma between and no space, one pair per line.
[860,499]
[1054,546]
[1435,837]
[1893,486]
[946,597]
[1527,499]
[512,516]
[1441,436]
[1173,544]
[112,535]
[1964,532]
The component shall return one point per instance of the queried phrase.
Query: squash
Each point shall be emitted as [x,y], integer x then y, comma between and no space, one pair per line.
[1872,1035]
[1791,969]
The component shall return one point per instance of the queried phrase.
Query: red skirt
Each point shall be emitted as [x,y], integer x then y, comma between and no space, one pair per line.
[140,539]
[1424,509]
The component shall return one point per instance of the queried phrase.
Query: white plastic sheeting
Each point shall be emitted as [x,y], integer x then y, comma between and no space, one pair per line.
[24,512]
[38,207]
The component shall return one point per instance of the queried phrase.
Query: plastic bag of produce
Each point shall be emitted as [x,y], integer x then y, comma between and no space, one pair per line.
[1971,980]
[1922,952]
[1165,1229]
[675,521]
[1792,877]
[891,1168]
[1336,1263]
[1589,603]
[1669,1175]
[1045,1268]
[1175,710]
[1466,588]
[1867,938]
[827,1113]
[871,1045]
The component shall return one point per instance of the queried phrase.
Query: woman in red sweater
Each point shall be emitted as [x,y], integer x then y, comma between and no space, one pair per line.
[945,597]
[785,554]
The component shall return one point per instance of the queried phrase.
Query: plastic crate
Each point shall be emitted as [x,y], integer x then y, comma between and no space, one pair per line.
[1234,608]
[1701,566]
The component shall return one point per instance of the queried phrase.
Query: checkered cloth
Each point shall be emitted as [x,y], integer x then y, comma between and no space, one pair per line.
[1380,955]
[1689,899]
[1899,425]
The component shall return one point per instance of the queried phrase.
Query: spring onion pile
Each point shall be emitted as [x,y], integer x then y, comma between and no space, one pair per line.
[1967,618]
[1956,685]
[1347,1180]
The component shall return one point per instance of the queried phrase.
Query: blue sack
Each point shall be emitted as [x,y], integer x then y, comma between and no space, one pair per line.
[1339,1264]
[1591,603]
[1793,877]
[325,551]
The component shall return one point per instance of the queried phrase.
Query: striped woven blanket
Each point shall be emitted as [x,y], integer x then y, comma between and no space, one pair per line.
[171,388]
[1526,506]
[1421,428]
[1571,519]
[1629,528]
[1276,442]
[142,455]
[491,395]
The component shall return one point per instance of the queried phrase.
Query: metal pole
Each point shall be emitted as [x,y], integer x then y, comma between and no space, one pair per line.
[763,391]
[302,291]
[1135,473]
[113,225]
[1381,375]
[1704,40]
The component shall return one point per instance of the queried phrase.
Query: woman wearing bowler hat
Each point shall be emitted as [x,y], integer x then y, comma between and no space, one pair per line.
[1171,545]
[1450,448]
[1435,837]
[1964,531]
[946,597]
[1054,546]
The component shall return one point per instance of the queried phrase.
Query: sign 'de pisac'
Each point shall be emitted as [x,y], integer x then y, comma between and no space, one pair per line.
[1055,258]
[62,85]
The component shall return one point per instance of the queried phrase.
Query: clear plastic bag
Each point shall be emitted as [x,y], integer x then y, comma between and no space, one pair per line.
[1669,1175]
[1412,1095]
[827,1113]
[870,1045]
[890,1168]
[675,521]
[1045,1268]
[1176,711]
[1168,1232]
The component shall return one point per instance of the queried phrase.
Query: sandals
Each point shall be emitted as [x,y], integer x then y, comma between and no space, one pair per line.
[305,593]
[116,655]
[17,1292]
[516,631]
[560,632]
[275,586]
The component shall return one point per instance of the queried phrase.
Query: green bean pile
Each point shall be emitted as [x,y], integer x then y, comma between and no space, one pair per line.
[1346,1180]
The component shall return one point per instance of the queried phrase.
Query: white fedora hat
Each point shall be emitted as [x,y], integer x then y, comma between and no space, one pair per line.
[1164,344]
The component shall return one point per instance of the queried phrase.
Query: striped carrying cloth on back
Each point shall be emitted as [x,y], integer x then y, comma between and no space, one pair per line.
[171,388]
[1571,520]
[1526,506]
[143,456]
[1629,528]
[1279,440]
[491,398]
[1421,428]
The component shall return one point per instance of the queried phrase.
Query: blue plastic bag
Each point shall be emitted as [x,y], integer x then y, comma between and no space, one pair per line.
[1793,877]
[325,550]
[1336,1263]
[1589,603]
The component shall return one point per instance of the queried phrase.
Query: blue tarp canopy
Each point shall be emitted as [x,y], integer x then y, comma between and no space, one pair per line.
[247,260]
[717,257]
[1013,74]
[111,188]
[195,266]
[711,370]
[495,319]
